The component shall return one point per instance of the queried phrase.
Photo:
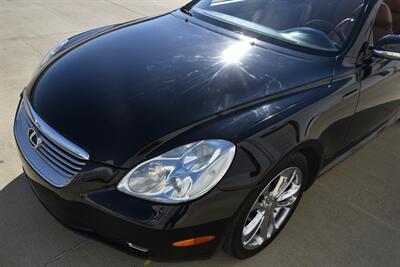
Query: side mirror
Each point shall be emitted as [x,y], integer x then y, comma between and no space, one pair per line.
[388,47]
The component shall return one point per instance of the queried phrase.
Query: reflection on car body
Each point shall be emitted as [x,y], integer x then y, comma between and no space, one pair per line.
[204,126]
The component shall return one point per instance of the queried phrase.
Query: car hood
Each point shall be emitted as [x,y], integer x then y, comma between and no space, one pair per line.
[122,90]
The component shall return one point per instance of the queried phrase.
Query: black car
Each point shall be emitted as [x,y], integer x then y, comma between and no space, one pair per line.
[203,127]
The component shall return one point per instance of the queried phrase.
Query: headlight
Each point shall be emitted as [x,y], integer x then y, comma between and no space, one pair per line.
[182,174]
[52,52]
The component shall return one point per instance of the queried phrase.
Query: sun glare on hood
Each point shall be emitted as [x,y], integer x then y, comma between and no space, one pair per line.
[234,53]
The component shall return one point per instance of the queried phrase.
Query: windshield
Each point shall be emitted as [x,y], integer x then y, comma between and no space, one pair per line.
[317,24]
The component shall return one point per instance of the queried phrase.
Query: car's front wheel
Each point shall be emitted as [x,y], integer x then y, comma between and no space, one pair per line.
[268,208]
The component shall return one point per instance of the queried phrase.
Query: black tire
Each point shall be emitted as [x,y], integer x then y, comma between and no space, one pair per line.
[233,244]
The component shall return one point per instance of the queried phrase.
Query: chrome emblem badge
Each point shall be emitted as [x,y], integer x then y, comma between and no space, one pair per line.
[34,139]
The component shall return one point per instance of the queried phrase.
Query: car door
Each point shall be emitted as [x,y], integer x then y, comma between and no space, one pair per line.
[379,97]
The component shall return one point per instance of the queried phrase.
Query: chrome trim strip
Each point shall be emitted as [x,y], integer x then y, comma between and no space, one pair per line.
[60,163]
[56,166]
[50,133]
[62,157]
[142,249]
[386,54]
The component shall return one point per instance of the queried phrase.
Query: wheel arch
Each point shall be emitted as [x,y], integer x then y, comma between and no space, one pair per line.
[313,151]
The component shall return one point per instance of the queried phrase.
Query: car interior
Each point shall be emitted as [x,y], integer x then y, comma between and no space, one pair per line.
[383,23]
[334,19]
[388,19]
[394,6]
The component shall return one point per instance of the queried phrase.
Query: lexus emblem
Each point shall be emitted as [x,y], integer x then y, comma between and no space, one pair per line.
[34,139]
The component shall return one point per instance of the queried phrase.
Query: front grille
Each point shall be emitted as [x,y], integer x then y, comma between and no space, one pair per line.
[55,159]
[62,161]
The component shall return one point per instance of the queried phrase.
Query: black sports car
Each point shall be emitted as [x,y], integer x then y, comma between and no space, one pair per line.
[174,134]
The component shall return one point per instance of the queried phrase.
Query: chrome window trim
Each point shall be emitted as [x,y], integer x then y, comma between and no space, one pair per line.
[52,134]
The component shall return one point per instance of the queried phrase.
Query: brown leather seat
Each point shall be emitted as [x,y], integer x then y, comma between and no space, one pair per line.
[394,6]
[383,23]
[278,16]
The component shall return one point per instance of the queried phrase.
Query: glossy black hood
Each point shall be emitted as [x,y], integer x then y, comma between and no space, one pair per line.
[117,93]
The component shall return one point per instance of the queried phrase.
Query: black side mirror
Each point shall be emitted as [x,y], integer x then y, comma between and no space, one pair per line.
[388,47]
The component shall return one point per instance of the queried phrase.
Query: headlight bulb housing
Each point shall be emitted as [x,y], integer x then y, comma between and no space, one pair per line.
[182,174]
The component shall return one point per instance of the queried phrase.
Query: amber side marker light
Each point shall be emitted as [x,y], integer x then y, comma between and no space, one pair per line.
[193,241]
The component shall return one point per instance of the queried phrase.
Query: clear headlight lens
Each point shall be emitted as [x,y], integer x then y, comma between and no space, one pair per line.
[182,174]
[52,52]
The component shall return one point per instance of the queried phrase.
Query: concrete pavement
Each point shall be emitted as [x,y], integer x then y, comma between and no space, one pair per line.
[350,217]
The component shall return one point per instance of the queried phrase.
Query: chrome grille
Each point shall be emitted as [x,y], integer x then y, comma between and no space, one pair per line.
[56,159]
[61,160]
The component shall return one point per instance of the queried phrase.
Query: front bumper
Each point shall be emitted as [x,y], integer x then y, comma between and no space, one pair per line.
[90,202]
[108,214]
[102,213]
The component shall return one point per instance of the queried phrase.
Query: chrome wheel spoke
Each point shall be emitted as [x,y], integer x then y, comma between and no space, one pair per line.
[280,216]
[279,187]
[264,227]
[284,182]
[288,197]
[287,202]
[269,227]
[251,229]
[292,175]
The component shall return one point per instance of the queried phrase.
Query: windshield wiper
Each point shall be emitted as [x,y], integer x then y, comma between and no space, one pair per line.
[186,11]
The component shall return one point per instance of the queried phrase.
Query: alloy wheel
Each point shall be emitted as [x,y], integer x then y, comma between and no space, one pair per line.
[271,208]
